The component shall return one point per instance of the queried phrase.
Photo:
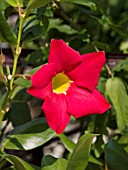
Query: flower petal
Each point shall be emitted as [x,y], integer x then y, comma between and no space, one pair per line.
[40,93]
[87,73]
[81,102]
[55,110]
[43,76]
[63,56]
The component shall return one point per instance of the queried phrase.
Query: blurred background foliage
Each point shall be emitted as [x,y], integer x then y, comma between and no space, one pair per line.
[86,25]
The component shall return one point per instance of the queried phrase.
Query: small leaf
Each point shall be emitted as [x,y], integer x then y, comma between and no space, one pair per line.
[6,33]
[57,24]
[29,135]
[20,164]
[15,3]
[80,156]
[47,160]
[95,161]
[23,82]
[51,163]
[117,93]
[67,142]
[116,157]
[33,4]
[87,3]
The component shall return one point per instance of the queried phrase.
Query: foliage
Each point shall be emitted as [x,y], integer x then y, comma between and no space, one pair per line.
[86,25]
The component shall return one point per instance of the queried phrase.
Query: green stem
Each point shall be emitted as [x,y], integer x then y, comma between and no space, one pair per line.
[18,49]
[16,55]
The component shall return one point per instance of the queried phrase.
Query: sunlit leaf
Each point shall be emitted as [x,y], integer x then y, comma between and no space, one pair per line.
[80,156]
[51,163]
[33,4]
[29,135]
[67,142]
[117,93]
[15,3]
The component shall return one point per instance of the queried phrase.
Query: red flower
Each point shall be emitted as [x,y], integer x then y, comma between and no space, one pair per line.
[67,85]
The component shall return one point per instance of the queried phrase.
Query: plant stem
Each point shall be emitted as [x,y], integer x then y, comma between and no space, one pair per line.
[18,48]
[109,70]
[16,53]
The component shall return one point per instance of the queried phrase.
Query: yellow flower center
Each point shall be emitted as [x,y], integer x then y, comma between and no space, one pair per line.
[60,83]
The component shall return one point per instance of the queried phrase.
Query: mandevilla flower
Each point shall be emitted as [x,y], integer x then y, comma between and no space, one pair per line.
[67,85]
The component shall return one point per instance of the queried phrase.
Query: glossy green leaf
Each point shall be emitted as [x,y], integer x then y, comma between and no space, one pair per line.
[87,3]
[20,164]
[117,93]
[23,82]
[48,160]
[116,157]
[15,3]
[69,145]
[19,113]
[51,163]
[33,4]
[29,135]
[6,33]
[80,156]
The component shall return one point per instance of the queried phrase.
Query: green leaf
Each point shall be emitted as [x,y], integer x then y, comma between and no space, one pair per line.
[15,3]
[116,157]
[51,163]
[67,142]
[23,82]
[29,135]
[19,113]
[80,156]
[6,33]
[35,58]
[87,3]
[3,5]
[20,164]
[117,93]
[102,46]
[122,66]
[95,161]
[57,24]
[33,4]
[48,160]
